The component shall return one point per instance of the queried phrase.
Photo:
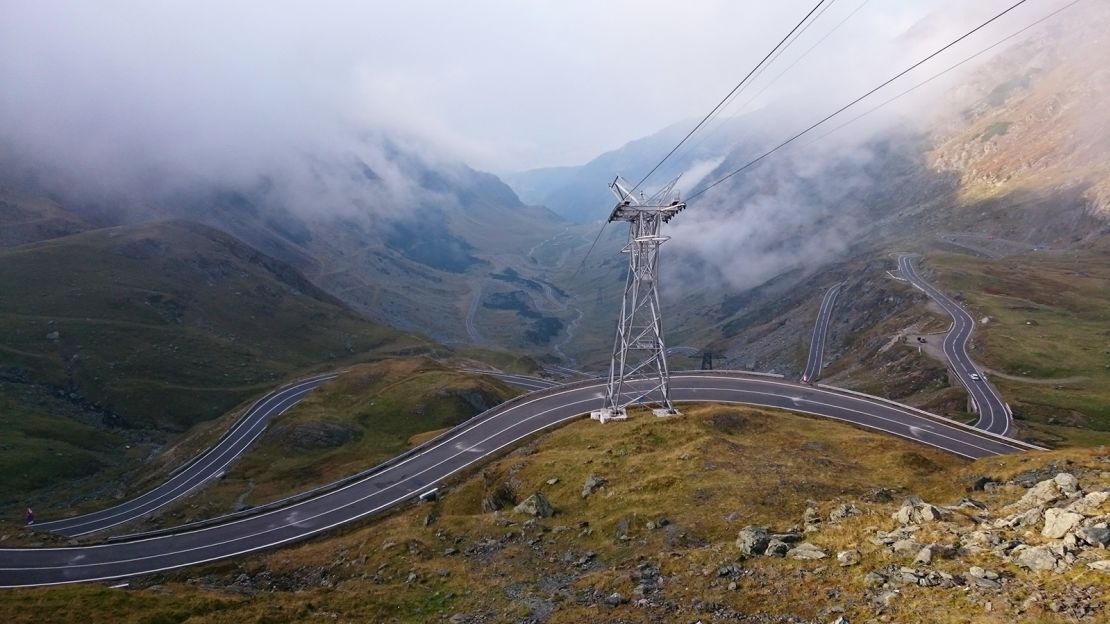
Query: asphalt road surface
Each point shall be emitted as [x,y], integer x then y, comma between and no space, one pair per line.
[470,443]
[994,415]
[817,341]
[210,464]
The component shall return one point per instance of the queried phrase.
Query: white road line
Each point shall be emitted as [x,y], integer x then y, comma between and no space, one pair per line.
[185,477]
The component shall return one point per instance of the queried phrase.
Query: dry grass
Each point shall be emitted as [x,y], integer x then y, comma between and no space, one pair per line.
[695,470]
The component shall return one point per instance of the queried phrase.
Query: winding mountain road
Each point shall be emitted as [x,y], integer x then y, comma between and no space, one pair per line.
[816,359]
[428,466]
[207,466]
[994,414]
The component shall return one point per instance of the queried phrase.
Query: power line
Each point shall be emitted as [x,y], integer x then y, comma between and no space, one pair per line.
[945,71]
[856,101]
[726,98]
[702,123]
[744,106]
[802,57]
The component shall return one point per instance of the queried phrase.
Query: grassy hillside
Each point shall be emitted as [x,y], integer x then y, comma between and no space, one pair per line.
[660,533]
[112,339]
[167,324]
[1046,339]
[365,416]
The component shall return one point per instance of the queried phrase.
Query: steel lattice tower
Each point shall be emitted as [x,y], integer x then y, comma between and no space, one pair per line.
[638,371]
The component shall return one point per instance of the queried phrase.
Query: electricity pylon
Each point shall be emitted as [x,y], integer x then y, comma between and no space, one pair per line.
[638,370]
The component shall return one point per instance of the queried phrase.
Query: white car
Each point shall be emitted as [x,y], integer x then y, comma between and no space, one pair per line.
[975,377]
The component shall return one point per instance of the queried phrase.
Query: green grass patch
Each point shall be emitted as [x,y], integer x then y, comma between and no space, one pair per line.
[1049,328]
[367,415]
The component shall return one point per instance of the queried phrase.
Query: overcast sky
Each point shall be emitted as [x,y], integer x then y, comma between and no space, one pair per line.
[504,84]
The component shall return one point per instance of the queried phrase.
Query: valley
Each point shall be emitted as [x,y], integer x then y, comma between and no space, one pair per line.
[331,338]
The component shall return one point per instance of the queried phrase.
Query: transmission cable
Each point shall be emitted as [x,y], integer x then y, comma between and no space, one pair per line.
[708,132]
[730,94]
[770,84]
[702,123]
[756,160]
[943,72]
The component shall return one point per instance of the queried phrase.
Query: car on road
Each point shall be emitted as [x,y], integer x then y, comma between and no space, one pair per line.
[975,377]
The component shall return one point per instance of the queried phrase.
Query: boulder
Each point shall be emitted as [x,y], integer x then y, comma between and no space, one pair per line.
[847,558]
[1101,566]
[1057,523]
[811,517]
[1025,518]
[977,572]
[924,556]
[906,546]
[913,511]
[776,548]
[615,599]
[1090,504]
[593,482]
[929,513]
[1067,483]
[1094,536]
[1036,558]
[873,579]
[904,515]
[536,505]
[806,551]
[753,540]
[1044,493]
[843,511]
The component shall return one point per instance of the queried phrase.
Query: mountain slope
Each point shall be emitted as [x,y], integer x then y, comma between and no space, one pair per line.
[645,544]
[580,193]
[165,324]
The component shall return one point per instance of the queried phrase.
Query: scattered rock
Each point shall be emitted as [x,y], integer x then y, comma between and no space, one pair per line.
[776,548]
[913,511]
[1036,558]
[1094,536]
[536,505]
[924,556]
[906,547]
[843,511]
[977,572]
[873,579]
[1044,493]
[615,600]
[753,540]
[806,551]
[622,529]
[847,558]
[1101,566]
[593,482]
[500,497]
[552,481]
[1058,522]
[879,495]
[1090,504]
[1021,519]
[981,484]
[1067,483]
[811,518]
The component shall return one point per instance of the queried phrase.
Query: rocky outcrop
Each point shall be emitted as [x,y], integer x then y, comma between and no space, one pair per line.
[536,505]
[753,540]
[1058,523]
[913,511]
[593,482]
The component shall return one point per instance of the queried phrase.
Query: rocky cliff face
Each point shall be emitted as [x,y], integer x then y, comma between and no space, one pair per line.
[1034,119]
